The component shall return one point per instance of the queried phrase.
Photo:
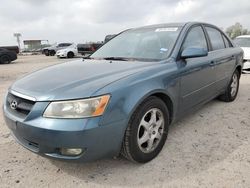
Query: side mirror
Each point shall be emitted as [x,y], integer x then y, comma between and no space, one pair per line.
[193,52]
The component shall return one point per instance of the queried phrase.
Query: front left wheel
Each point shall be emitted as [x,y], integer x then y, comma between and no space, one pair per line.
[147,131]
[70,55]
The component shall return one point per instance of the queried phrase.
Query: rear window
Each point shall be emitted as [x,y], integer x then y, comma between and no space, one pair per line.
[215,38]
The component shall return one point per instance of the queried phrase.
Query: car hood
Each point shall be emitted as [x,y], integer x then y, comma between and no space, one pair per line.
[246,52]
[77,79]
[62,50]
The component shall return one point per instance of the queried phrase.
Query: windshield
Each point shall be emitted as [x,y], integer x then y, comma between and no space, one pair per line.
[145,44]
[242,42]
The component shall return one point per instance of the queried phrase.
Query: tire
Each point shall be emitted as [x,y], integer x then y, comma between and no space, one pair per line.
[52,52]
[143,144]
[5,59]
[232,88]
[70,55]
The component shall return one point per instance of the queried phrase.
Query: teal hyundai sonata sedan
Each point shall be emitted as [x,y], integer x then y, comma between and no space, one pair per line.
[122,99]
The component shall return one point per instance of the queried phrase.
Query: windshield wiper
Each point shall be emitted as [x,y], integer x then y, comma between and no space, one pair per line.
[117,58]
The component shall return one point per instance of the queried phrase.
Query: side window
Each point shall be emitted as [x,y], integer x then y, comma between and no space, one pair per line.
[195,38]
[215,38]
[226,41]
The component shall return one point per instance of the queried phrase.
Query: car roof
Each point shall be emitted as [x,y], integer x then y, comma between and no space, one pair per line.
[243,36]
[164,25]
[175,24]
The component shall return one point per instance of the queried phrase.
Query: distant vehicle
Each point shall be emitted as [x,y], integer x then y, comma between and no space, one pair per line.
[11,48]
[68,52]
[123,98]
[6,56]
[51,51]
[88,48]
[109,37]
[243,41]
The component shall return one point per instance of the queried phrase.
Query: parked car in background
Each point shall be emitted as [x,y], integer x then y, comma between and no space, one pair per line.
[51,51]
[6,56]
[68,52]
[11,48]
[243,41]
[124,96]
[88,48]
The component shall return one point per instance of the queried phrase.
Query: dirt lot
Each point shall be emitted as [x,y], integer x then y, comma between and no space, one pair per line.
[210,148]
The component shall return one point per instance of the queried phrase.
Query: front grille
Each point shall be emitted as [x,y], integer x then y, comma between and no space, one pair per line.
[19,106]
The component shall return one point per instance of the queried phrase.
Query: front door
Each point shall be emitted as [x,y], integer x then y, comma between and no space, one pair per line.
[197,80]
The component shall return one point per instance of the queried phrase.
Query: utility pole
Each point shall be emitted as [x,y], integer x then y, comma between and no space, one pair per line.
[18,35]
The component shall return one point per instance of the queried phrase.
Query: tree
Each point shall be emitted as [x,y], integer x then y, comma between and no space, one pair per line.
[236,30]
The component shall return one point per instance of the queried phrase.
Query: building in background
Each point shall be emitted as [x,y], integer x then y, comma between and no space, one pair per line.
[35,45]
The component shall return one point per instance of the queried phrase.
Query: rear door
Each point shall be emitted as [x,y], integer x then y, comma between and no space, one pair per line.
[224,57]
[197,74]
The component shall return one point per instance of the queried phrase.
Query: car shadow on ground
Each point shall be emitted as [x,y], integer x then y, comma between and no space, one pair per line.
[195,143]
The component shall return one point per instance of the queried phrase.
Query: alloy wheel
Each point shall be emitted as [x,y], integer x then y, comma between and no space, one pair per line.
[234,85]
[150,130]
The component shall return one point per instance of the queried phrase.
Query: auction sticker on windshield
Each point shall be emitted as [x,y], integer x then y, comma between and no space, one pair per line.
[166,29]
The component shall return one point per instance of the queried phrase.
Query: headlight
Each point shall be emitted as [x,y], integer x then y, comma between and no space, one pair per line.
[77,108]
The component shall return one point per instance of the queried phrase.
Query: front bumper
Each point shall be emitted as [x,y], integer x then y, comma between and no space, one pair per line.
[46,136]
[61,54]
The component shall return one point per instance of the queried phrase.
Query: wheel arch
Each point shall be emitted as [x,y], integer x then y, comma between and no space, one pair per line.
[168,102]
[239,69]
[165,97]
[69,53]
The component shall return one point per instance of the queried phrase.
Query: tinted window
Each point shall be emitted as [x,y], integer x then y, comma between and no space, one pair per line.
[195,38]
[227,43]
[65,44]
[215,38]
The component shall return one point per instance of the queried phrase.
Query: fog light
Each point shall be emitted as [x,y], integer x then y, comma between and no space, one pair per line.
[71,151]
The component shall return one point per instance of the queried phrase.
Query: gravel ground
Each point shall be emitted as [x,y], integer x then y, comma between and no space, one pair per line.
[209,148]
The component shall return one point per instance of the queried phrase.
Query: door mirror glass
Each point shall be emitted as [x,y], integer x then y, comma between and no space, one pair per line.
[193,52]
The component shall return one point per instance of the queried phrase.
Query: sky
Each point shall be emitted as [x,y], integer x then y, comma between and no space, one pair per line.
[91,20]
